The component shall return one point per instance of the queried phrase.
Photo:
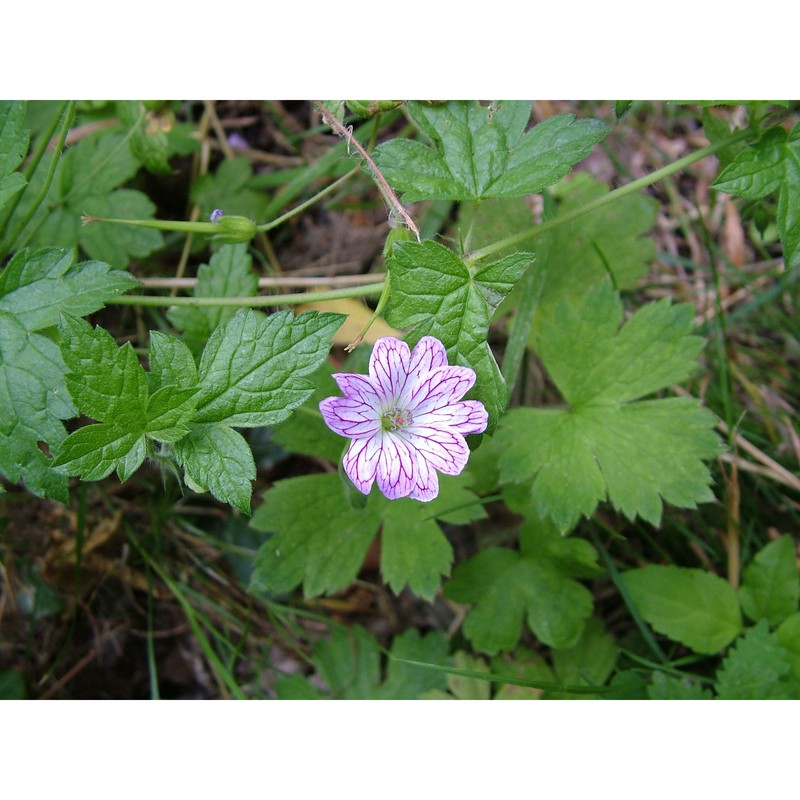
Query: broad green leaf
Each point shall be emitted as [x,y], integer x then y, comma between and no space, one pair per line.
[589,662]
[171,362]
[603,445]
[149,142]
[320,539]
[14,138]
[217,459]
[461,687]
[95,451]
[611,241]
[229,273]
[524,664]
[117,244]
[33,401]
[349,662]
[106,382]
[229,189]
[483,151]
[789,638]
[86,181]
[305,431]
[771,585]
[690,606]
[534,585]
[772,164]
[414,551]
[37,287]
[434,291]
[756,668]
[109,384]
[666,687]
[255,369]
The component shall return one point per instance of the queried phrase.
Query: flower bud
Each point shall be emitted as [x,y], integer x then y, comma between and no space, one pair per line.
[235,229]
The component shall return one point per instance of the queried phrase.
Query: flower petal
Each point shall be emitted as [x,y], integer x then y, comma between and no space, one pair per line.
[444,450]
[429,354]
[360,462]
[442,387]
[397,468]
[388,367]
[348,417]
[427,485]
[468,416]
[361,388]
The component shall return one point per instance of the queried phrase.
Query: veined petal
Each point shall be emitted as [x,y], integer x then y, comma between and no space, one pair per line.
[348,417]
[360,462]
[397,468]
[444,450]
[361,388]
[443,387]
[427,485]
[388,367]
[468,416]
[429,354]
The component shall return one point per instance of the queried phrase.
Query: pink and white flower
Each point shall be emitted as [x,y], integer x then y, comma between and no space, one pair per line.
[406,419]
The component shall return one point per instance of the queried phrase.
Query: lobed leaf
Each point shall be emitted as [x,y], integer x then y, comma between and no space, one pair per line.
[14,138]
[434,291]
[771,586]
[481,151]
[635,454]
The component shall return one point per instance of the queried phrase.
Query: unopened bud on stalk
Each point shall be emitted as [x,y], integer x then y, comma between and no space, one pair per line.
[233,229]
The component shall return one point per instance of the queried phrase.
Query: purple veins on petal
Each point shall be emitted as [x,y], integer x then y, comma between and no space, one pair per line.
[406,419]
[349,417]
[360,462]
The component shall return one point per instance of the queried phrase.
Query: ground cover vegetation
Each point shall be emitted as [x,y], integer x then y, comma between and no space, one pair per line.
[398,400]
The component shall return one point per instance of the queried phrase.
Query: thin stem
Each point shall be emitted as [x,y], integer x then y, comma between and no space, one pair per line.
[268,282]
[610,197]
[303,206]
[249,302]
[386,190]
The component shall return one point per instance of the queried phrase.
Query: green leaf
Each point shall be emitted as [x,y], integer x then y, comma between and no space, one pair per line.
[217,459]
[254,369]
[86,181]
[39,286]
[229,273]
[533,585]
[589,662]
[12,685]
[109,384]
[349,662]
[149,142]
[523,664]
[789,638]
[434,291]
[118,244]
[229,189]
[14,138]
[33,401]
[604,445]
[666,687]
[690,606]
[771,586]
[772,164]
[756,668]
[612,241]
[460,687]
[483,151]
[305,431]
[320,539]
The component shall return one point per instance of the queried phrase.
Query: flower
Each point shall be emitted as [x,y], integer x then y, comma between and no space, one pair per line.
[406,419]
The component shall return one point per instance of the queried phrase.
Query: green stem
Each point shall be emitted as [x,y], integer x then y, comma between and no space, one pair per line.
[303,206]
[249,302]
[51,170]
[610,197]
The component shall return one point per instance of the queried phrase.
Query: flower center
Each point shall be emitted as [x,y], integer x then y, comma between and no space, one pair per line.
[396,419]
